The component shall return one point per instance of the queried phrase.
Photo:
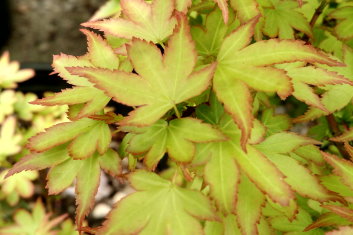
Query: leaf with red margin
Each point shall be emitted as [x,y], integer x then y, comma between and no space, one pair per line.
[241,66]
[222,174]
[335,98]
[245,9]
[334,183]
[64,170]
[208,39]
[249,204]
[167,208]
[264,174]
[87,182]
[341,167]
[110,162]
[230,225]
[174,137]
[97,138]
[100,55]
[344,28]
[346,136]
[163,80]
[62,175]
[39,161]
[253,163]
[310,152]
[284,142]
[326,220]
[302,220]
[301,179]
[223,5]
[341,211]
[258,132]
[282,18]
[86,136]
[304,77]
[151,22]
[273,209]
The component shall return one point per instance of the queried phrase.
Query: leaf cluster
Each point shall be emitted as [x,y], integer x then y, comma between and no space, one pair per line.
[206,82]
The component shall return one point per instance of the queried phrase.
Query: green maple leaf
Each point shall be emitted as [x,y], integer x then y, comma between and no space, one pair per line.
[336,96]
[64,170]
[281,19]
[241,66]
[223,5]
[162,81]
[275,123]
[209,39]
[226,160]
[85,136]
[151,22]
[168,209]
[245,9]
[342,168]
[344,28]
[248,211]
[174,137]
[100,55]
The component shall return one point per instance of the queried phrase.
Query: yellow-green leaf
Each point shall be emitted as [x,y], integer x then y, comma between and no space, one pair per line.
[168,209]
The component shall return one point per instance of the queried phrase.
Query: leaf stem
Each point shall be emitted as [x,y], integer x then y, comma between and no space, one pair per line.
[333,125]
[316,15]
[176,111]
[318,12]
[336,131]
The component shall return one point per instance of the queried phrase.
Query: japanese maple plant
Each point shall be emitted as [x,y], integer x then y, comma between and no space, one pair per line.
[248,101]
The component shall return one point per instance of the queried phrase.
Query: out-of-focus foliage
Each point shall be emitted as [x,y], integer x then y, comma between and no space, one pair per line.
[19,120]
[38,222]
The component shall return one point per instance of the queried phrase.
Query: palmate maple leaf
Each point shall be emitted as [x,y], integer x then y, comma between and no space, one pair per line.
[162,81]
[282,19]
[175,137]
[344,28]
[336,96]
[64,170]
[167,209]
[266,169]
[100,55]
[241,66]
[151,22]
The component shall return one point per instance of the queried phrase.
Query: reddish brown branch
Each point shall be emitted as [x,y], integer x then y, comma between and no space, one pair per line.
[336,131]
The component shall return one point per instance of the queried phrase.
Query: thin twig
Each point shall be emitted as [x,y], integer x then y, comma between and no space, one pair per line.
[336,132]
[318,12]
[316,15]
[333,125]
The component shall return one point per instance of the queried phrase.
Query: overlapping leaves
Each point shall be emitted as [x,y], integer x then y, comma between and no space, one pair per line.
[174,137]
[162,81]
[64,170]
[241,66]
[93,100]
[151,22]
